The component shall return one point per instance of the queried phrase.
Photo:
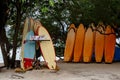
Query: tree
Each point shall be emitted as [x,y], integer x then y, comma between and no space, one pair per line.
[18,9]
[4,43]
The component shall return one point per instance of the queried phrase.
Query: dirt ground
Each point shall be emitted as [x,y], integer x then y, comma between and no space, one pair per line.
[68,71]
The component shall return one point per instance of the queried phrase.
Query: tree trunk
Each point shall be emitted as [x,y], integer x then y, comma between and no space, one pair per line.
[3,38]
[15,38]
[5,47]
[4,53]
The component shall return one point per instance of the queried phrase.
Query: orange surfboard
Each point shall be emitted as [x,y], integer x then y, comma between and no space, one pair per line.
[88,45]
[110,41]
[79,41]
[99,43]
[68,53]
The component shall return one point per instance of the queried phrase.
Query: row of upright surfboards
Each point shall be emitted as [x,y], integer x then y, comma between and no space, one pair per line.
[82,43]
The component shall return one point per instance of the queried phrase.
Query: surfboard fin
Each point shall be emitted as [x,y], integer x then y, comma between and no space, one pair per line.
[57,68]
[19,70]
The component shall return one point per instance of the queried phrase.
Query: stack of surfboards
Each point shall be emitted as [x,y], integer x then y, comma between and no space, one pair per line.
[33,33]
[82,44]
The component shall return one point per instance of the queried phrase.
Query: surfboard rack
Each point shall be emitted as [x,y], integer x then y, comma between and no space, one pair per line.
[44,40]
[37,38]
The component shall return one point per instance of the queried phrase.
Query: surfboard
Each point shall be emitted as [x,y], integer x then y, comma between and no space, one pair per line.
[37,24]
[110,41]
[28,25]
[32,22]
[69,46]
[29,51]
[94,34]
[25,30]
[99,43]
[29,46]
[47,48]
[79,41]
[88,45]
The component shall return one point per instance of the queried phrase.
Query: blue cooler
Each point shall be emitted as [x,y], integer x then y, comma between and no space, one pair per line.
[117,54]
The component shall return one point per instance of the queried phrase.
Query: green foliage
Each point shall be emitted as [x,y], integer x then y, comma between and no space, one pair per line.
[44,9]
[23,1]
[57,15]
[51,3]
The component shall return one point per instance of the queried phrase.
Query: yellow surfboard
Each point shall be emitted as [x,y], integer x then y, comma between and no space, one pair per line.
[32,22]
[37,24]
[25,30]
[47,48]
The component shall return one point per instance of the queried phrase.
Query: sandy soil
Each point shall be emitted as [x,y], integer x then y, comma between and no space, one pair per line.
[68,71]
